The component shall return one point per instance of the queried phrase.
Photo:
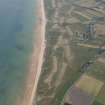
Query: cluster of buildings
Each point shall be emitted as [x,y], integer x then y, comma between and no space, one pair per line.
[93,29]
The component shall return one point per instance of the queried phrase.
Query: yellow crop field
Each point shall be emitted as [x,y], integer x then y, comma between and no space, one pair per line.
[89,84]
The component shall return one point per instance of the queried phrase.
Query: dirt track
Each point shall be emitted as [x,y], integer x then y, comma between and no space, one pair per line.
[90,46]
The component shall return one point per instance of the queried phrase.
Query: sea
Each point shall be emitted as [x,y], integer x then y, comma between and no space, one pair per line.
[17,23]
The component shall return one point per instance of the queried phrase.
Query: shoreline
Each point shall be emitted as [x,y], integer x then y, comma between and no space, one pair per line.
[42,28]
[36,59]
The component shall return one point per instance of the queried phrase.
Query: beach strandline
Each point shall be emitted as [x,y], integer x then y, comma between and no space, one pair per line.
[36,59]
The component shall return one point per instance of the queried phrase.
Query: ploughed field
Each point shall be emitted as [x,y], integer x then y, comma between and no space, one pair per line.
[73,71]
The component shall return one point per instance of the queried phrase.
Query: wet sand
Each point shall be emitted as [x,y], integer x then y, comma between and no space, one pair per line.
[36,59]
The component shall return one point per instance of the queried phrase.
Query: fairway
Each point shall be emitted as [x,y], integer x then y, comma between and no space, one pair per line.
[89,84]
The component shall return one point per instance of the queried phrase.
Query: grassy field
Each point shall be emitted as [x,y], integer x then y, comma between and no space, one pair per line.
[101,96]
[62,47]
[97,70]
[96,103]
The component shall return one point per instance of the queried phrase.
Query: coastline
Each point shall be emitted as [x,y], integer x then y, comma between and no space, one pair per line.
[36,59]
[41,28]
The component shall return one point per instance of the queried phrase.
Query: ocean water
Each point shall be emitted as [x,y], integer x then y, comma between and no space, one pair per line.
[17,20]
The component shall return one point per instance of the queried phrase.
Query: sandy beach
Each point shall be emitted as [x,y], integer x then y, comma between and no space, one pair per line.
[36,58]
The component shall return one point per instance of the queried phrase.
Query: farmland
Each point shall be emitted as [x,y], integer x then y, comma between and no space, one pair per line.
[93,87]
[101,96]
[74,52]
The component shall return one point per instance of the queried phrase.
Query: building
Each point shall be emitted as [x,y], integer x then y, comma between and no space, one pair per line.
[99,29]
[89,32]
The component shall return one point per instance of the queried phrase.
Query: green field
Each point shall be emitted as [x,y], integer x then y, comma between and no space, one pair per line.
[101,96]
[96,103]
[97,70]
